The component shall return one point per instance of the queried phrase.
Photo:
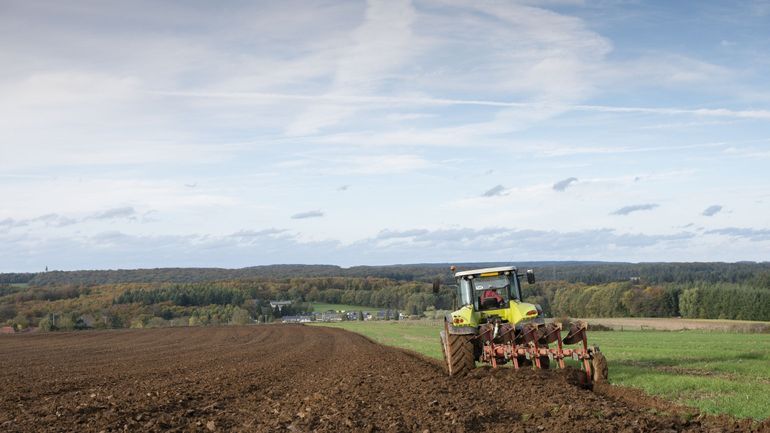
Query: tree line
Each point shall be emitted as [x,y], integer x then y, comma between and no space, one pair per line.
[212,302]
[699,300]
[574,272]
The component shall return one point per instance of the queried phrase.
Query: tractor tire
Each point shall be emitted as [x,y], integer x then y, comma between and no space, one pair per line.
[458,353]
[599,367]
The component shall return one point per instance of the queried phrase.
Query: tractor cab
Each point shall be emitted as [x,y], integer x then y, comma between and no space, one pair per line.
[489,289]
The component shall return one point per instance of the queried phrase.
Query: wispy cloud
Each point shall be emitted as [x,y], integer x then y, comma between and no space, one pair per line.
[12,223]
[712,210]
[400,234]
[494,191]
[564,184]
[380,164]
[118,212]
[308,214]
[745,233]
[378,46]
[57,220]
[248,235]
[51,219]
[625,210]
[429,101]
[54,220]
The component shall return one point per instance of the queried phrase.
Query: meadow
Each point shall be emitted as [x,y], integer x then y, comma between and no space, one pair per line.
[716,372]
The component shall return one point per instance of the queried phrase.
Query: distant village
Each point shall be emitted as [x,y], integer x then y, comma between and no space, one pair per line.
[337,316]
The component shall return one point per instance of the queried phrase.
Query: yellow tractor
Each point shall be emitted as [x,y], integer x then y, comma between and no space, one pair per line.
[494,326]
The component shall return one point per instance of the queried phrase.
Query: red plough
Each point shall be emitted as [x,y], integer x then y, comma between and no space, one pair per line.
[529,345]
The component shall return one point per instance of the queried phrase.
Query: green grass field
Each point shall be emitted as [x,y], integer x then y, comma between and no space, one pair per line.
[320,307]
[717,372]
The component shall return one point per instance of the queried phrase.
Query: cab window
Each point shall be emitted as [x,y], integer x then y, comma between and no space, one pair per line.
[492,292]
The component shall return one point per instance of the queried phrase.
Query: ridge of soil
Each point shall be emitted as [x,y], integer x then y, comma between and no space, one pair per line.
[299,379]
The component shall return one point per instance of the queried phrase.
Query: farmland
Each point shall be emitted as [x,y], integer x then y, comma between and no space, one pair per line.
[321,307]
[717,372]
[297,378]
[194,374]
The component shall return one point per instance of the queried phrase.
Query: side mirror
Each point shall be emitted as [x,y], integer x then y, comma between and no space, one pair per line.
[530,276]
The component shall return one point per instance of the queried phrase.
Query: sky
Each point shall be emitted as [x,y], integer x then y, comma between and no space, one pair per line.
[231,134]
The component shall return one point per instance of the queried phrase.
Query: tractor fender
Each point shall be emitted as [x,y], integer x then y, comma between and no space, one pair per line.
[458,330]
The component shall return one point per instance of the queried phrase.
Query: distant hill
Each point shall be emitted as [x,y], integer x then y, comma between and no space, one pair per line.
[592,272]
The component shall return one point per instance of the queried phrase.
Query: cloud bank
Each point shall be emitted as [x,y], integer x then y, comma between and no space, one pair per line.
[117,249]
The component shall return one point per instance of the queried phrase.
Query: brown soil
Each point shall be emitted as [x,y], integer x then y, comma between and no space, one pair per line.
[298,378]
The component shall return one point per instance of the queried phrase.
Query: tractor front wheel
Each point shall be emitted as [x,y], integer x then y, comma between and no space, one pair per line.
[458,353]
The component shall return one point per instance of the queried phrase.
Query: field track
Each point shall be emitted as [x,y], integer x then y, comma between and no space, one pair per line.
[297,378]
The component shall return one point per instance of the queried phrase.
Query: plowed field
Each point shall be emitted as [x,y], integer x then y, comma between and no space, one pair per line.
[296,378]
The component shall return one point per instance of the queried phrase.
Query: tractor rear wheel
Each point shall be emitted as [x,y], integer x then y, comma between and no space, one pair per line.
[599,366]
[458,353]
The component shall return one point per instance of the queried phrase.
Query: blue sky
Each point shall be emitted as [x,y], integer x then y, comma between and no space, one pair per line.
[151,134]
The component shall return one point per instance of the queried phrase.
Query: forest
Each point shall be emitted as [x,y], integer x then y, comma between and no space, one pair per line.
[177,296]
[583,272]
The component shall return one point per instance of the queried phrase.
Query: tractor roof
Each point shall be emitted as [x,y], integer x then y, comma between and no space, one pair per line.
[485,270]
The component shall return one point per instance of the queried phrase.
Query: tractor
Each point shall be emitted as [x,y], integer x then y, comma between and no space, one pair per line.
[495,327]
